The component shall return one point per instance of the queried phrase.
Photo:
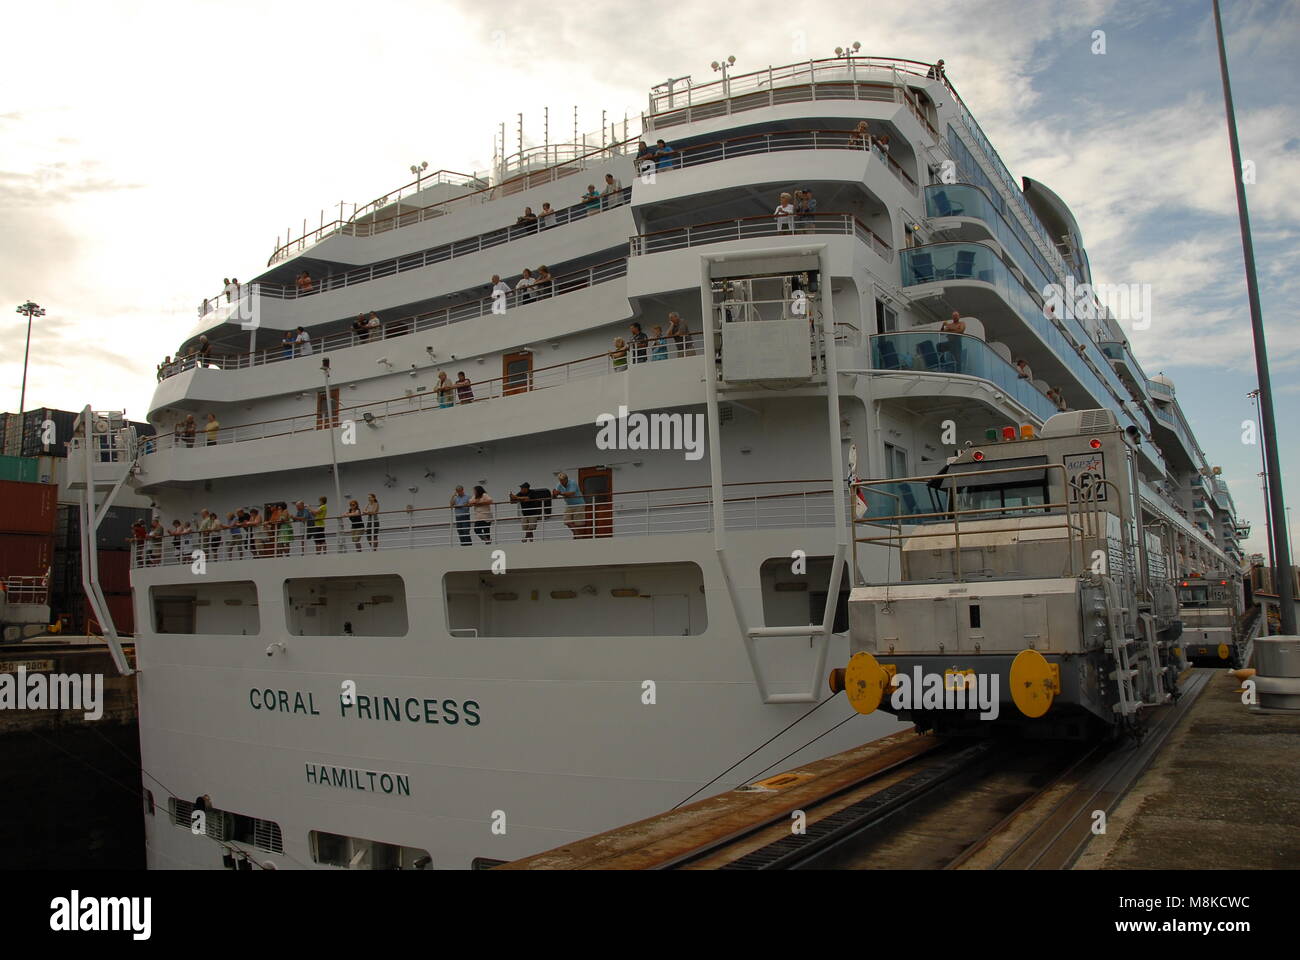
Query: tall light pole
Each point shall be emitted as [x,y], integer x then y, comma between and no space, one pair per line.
[32,310]
[1276,502]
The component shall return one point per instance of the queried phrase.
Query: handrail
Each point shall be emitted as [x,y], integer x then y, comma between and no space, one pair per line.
[772,77]
[26,589]
[441,253]
[595,365]
[631,513]
[895,539]
[714,150]
[415,323]
[766,225]
[524,181]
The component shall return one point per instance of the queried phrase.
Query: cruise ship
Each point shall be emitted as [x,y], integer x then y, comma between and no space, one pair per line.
[433,681]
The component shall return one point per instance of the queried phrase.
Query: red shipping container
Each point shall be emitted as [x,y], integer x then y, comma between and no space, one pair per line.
[28,507]
[25,554]
[115,571]
[122,611]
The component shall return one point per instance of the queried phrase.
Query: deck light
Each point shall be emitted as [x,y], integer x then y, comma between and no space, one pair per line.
[1026,431]
[977,455]
[990,434]
[1008,433]
[1094,443]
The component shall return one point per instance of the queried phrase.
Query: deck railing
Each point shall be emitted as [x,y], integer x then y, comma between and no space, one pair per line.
[434,397]
[355,226]
[748,506]
[745,228]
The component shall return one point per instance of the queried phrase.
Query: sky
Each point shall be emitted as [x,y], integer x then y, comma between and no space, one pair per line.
[159,147]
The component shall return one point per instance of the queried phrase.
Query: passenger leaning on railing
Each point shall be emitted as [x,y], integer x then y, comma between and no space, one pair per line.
[482,505]
[591,199]
[613,192]
[805,209]
[545,285]
[371,511]
[524,286]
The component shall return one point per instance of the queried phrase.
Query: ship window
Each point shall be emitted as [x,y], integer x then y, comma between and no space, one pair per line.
[638,600]
[219,609]
[795,595]
[362,606]
[886,319]
[355,853]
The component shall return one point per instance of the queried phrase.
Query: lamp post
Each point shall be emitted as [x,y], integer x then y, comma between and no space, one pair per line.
[848,50]
[418,169]
[31,310]
[723,65]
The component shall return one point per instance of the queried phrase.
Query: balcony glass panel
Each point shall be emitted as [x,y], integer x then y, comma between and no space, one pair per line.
[937,352]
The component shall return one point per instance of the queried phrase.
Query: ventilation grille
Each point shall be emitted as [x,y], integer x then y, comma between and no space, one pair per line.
[726,413]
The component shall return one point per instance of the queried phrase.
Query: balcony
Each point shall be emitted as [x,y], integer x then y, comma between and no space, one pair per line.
[1125,364]
[1172,424]
[966,264]
[966,201]
[952,354]
[1161,391]
[771,505]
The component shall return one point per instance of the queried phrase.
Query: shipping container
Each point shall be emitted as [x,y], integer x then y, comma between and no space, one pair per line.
[12,434]
[112,533]
[19,469]
[114,571]
[28,507]
[25,554]
[35,434]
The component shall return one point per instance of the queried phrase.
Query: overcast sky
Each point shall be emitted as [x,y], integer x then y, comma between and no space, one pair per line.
[149,149]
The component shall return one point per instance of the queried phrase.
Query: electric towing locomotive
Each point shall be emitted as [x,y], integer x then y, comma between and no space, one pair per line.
[1023,590]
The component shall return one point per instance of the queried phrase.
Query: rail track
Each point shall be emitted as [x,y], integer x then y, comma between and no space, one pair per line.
[955,805]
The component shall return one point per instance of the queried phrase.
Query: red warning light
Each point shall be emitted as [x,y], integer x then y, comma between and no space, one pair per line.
[1008,433]
[1094,443]
[977,455]
[1223,583]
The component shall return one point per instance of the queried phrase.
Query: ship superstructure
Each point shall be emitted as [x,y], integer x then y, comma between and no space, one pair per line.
[445,684]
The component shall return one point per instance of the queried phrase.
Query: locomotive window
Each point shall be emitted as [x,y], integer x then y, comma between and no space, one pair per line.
[1008,500]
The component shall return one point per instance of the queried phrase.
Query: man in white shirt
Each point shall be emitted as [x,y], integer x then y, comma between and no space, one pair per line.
[613,193]
[500,293]
[303,342]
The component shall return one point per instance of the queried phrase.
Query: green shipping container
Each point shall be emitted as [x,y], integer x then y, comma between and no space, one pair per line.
[22,469]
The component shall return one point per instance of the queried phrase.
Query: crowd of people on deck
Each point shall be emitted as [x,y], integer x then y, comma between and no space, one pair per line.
[273,530]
